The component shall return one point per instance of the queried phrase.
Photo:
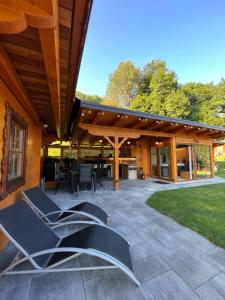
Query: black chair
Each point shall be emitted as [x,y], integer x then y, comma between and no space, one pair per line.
[52,213]
[74,172]
[62,177]
[86,177]
[100,174]
[46,251]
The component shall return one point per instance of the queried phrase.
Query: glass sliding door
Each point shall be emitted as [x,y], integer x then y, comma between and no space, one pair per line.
[202,156]
[164,161]
[154,161]
[185,164]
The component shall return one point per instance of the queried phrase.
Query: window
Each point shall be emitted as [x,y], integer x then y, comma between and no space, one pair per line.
[13,164]
[54,152]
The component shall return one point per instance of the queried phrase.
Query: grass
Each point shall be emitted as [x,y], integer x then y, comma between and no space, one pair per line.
[220,163]
[200,208]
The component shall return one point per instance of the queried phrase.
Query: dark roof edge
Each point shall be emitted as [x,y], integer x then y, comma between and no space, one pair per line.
[94,105]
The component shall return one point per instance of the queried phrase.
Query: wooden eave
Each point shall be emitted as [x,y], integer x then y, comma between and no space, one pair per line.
[89,118]
[42,44]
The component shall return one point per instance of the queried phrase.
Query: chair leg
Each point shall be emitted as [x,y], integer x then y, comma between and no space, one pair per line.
[56,187]
[77,188]
[92,186]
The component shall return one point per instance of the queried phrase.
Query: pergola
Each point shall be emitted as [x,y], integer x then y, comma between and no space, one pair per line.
[90,120]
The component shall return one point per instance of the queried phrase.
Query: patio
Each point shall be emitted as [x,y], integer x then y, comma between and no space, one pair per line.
[171,261]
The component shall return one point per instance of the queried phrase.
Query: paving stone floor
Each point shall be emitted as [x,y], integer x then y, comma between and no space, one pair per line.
[171,261]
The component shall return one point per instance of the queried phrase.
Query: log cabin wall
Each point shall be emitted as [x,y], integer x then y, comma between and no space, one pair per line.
[32,149]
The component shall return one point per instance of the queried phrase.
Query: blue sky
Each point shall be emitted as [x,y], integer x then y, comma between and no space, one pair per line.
[188,34]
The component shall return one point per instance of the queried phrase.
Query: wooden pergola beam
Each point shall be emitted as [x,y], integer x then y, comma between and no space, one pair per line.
[121,132]
[11,79]
[49,38]
[16,16]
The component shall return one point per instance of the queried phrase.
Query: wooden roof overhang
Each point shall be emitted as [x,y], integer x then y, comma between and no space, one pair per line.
[41,44]
[218,143]
[90,120]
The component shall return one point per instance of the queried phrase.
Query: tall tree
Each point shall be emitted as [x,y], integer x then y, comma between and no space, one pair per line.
[199,94]
[212,112]
[177,105]
[149,70]
[156,83]
[123,84]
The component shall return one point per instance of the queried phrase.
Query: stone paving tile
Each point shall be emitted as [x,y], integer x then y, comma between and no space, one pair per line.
[58,286]
[113,285]
[88,261]
[216,257]
[148,267]
[167,286]
[193,270]
[214,289]
[15,292]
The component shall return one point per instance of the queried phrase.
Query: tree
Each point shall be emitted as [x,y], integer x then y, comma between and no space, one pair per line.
[212,112]
[111,103]
[156,83]
[199,94]
[141,103]
[156,76]
[177,105]
[147,73]
[94,98]
[123,83]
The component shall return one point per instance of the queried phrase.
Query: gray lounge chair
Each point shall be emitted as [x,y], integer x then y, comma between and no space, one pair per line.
[52,213]
[45,251]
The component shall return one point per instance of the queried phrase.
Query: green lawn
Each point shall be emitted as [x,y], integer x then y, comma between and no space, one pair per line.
[220,162]
[200,208]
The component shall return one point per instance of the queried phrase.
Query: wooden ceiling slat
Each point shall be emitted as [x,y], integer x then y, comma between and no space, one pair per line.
[64,44]
[36,81]
[37,89]
[34,75]
[23,51]
[64,54]
[19,40]
[65,32]
[28,68]
[66,3]
[65,17]
[31,33]
[25,60]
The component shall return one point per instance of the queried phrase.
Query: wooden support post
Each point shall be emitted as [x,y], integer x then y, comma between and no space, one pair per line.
[212,160]
[116,164]
[116,145]
[173,160]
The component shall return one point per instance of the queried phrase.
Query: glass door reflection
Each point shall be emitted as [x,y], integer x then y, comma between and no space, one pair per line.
[154,161]
[164,161]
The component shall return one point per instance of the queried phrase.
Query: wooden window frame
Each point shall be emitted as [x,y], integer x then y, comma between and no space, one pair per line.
[9,186]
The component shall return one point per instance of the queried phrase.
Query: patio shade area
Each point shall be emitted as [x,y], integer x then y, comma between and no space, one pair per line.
[144,145]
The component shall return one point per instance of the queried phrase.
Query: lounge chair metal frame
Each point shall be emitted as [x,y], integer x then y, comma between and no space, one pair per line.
[116,264]
[50,223]
[45,217]
[73,212]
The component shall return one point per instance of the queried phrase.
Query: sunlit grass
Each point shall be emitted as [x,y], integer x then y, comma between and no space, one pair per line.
[220,163]
[200,208]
